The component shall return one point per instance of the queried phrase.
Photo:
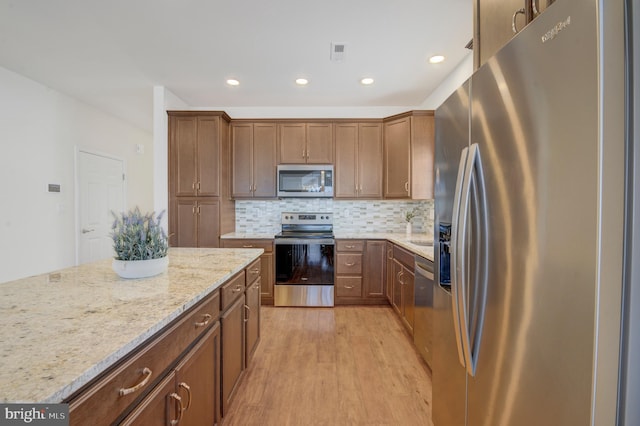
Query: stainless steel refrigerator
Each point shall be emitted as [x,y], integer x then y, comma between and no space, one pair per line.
[533,205]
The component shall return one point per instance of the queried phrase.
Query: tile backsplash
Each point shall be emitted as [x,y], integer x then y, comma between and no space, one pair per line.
[366,216]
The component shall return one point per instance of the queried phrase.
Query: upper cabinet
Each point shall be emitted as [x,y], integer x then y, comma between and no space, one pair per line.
[195,148]
[253,159]
[497,21]
[305,143]
[408,156]
[358,162]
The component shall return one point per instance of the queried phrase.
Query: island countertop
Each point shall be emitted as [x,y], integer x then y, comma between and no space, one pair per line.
[60,330]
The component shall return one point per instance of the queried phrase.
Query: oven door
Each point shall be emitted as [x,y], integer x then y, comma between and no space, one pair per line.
[304,272]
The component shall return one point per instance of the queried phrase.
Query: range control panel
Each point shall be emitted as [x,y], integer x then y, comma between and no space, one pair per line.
[307,218]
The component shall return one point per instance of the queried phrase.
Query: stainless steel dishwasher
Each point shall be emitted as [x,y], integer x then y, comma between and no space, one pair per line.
[423,308]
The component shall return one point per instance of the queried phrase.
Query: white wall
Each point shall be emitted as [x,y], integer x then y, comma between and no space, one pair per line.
[40,130]
[454,80]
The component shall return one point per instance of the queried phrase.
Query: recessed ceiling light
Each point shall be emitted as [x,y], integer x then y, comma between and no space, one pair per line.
[233,82]
[301,81]
[436,59]
[366,81]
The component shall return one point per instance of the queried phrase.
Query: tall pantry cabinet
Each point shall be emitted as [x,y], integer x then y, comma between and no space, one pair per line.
[200,205]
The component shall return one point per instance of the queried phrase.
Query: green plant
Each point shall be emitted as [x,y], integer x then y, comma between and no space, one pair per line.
[138,236]
[410,214]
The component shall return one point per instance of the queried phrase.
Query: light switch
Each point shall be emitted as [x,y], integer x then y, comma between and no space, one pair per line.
[53,187]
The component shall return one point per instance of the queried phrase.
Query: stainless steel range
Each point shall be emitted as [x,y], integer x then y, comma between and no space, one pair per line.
[304,260]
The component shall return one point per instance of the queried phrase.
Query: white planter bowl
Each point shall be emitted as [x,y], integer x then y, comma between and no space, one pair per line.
[140,268]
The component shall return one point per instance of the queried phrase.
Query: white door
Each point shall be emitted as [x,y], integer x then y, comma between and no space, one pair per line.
[100,191]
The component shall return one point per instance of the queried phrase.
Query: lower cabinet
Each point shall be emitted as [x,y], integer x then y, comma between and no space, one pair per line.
[360,272]
[389,272]
[403,284]
[267,263]
[252,320]
[189,394]
[232,351]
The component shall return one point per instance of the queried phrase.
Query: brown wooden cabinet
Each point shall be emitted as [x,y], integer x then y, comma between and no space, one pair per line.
[493,24]
[253,156]
[389,274]
[403,284]
[305,143]
[199,172]
[360,272]
[189,393]
[409,155]
[267,264]
[358,160]
[252,319]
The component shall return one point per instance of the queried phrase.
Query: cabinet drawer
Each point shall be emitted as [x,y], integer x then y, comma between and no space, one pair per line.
[112,394]
[404,257]
[347,263]
[266,245]
[231,290]
[350,245]
[253,272]
[349,287]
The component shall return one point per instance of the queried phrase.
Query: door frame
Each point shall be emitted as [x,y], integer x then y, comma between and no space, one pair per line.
[76,178]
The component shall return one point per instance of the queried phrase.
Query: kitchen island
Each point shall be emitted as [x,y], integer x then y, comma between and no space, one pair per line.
[61,330]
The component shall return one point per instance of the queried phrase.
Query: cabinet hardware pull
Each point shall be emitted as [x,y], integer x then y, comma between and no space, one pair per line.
[147,373]
[247,246]
[308,153]
[349,287]
[255,271]
[390,254]
[198,209]
[248,313]
[303,153]
[349,263]
[188,389]
[193,209]
[513,20]
[179,407]
[198,186]
[406,186]
[535,8]
[257,286]
[250,188]
[350,247]
[206,318]
[237,289]
[193,186]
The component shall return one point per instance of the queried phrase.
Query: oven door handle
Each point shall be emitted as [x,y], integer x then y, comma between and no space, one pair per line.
[304,241]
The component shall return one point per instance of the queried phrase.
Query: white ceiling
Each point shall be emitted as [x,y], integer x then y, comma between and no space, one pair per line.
[110,53]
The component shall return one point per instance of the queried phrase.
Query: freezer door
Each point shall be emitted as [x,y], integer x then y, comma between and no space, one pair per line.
[448,375]
[535,119]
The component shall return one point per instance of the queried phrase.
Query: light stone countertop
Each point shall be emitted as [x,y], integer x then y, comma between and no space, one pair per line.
[400,239]
[60,330]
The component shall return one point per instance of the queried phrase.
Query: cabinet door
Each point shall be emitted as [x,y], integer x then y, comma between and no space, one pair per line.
[186,223]
[208,157]
[268,276]
[396,293]
[208,212]
[292,143]
[184,131]
[370,160]
[408,285]
[242,159]
[397,156]
[389,272]
[197,378]
[492,25]
[319,143]
[232,361]
[264,160]
[374,272]
[252,320]
[158,408]
[346,170]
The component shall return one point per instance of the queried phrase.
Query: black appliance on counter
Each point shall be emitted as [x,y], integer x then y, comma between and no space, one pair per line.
[305,260]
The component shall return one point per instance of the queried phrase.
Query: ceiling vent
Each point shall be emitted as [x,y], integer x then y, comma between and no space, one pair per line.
[338,52]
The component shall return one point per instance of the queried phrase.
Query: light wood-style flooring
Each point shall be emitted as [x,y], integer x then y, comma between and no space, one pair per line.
[333,366]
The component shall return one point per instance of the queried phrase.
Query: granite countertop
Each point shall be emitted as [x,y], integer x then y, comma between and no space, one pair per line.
[407,242]
[60,330]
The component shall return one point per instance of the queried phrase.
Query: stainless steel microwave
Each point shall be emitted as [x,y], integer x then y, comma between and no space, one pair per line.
[305,180]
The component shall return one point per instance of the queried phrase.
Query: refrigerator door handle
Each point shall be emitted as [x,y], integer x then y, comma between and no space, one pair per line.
[474,179]
[455,279]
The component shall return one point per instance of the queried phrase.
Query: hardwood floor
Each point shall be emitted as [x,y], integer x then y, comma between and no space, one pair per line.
[333,366]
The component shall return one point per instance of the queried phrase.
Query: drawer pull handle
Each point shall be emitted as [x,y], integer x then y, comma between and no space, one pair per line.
[179,408]
[349,263]
[248,313]
[147,373]
[349,287]
[255,271]
[237,289]
[188,389]
[350,246]
[206,318]
[247,246]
